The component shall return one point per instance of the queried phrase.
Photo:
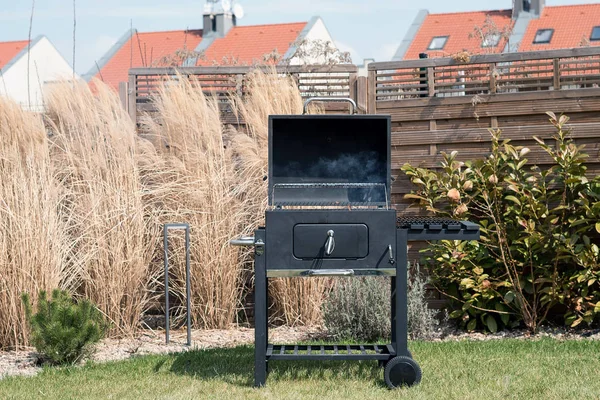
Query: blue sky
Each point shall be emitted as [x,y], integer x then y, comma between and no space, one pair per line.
[368,29]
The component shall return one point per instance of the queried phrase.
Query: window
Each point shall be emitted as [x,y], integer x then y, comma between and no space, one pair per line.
[491,40]
[595,33]
[543,36]
[438,43]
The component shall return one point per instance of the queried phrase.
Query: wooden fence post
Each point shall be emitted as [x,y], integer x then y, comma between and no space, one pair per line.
[371,93]
[123,95]
[493,83]
[556,65]
[430,82]
[352,82]
[132,97]
[362,97]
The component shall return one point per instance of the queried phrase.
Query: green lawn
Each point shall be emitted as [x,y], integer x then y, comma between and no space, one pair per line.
[517,369]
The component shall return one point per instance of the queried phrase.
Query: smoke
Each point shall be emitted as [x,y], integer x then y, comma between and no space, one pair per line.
[358,167]
[361,167]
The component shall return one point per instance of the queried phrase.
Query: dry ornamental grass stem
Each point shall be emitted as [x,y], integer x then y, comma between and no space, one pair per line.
[113,235]
[33,246]
[295,301]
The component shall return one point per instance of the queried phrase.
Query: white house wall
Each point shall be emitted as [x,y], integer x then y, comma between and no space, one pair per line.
[47,65]
[316,31]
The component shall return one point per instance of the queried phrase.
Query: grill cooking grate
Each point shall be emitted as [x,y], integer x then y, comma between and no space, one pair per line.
[330,194]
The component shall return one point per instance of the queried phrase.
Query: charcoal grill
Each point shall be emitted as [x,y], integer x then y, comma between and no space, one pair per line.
[330,215]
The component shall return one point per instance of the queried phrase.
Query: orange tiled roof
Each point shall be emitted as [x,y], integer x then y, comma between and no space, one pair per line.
[572,27]
[146,50]
[242,44]
[458,27]
[248,44]
[8,50]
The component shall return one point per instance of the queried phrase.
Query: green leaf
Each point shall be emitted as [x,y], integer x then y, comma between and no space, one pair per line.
[577,322]
[597,308]
[471,325]
[598,227]
[456,314]
[513,199]
[491,324]
[509,297]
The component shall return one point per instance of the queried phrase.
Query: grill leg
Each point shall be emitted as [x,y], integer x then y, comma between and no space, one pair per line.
[401,298]
[260,315]
[393,308]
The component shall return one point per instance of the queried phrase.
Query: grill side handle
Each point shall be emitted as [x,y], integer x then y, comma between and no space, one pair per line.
[243,241]
[338,99]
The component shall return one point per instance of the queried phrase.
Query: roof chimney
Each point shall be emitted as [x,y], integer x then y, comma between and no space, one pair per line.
[534,7]
[520,6]
[218,18]
[537,6]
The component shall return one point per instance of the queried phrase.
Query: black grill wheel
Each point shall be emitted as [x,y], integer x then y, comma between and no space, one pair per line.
[402,371]
[383,363]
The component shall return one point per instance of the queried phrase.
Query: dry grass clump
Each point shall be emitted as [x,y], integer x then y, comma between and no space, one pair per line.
[295,300]
[113,234]
[33,246]
[203,192]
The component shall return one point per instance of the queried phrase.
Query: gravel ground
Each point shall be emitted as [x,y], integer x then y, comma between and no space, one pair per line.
[24,362]
[152,342]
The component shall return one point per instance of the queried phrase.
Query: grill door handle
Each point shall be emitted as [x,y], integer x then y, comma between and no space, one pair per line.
[330,243]
[331,272]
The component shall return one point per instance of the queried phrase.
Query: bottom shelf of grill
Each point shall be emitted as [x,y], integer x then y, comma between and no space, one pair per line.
[330,352]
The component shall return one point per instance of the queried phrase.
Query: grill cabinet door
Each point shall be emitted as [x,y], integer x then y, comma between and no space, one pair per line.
[296,239]
[349,241]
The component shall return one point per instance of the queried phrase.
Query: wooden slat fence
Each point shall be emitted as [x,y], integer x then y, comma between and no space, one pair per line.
[313,81]
[441,105]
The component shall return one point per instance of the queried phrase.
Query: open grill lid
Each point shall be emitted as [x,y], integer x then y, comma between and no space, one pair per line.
[329,160]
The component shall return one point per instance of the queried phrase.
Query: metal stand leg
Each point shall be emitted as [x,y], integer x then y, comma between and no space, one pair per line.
[401,300]
[393,316]
[260,314]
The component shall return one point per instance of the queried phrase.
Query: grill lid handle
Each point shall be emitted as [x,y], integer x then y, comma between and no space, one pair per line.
[338,99]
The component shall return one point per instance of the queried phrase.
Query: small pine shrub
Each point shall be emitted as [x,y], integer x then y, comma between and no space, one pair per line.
[63,331]
[359,308]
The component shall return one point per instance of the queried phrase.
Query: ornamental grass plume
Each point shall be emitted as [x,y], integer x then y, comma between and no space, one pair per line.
[33,243]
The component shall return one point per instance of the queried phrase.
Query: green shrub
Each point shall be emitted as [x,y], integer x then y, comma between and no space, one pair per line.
[539,234]
[359,308]
[63,331]
[422,321]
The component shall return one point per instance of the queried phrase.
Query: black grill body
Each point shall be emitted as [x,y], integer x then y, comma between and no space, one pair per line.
[297,240]
[329,192]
